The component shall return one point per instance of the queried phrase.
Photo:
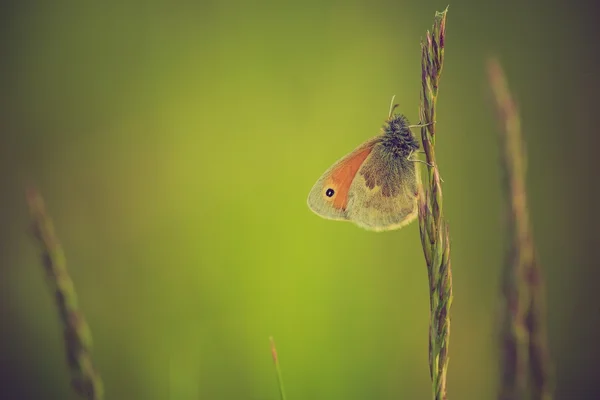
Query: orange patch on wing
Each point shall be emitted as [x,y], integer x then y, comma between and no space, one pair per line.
[344,174]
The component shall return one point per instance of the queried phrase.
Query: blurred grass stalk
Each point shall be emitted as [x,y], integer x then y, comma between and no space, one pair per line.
[434,229]
[277,368]
[78,340]
[524,342]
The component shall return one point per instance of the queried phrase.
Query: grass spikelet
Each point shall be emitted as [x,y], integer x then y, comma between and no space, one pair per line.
[524,344]
[434,230]
[78,340]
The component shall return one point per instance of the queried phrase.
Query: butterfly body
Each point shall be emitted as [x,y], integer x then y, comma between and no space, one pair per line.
[374,186]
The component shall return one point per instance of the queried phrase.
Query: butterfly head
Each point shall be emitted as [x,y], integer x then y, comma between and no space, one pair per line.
[397,137]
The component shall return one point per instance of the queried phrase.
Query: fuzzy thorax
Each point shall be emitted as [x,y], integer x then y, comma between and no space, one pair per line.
[397,136]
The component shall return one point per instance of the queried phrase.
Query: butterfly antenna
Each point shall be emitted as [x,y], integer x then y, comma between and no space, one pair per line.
[392,106]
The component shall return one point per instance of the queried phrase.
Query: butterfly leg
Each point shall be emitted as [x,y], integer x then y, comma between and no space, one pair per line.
[420,125]
[424,162]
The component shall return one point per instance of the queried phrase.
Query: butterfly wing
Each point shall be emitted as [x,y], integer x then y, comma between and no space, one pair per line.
[383,194]
[330,195]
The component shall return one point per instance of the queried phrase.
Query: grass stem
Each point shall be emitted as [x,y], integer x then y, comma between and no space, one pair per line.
[435,237]
[524,341]
[277,369]
[85,380]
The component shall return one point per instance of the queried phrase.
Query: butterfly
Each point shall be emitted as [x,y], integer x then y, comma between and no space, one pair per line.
[376,185]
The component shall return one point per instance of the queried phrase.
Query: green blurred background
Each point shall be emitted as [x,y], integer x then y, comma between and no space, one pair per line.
[175,145]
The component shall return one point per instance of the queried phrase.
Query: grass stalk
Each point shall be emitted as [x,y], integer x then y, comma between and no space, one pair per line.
[85,380]
[277,369]
[524,342]
[434,229]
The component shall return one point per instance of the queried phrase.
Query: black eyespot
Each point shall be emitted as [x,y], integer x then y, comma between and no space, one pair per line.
[329,192]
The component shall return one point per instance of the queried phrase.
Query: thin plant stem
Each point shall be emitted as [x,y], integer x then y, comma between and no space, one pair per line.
[277,369]
[434,231]
[85,380]
[524,342]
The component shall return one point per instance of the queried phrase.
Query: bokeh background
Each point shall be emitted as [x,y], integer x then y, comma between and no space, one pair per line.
[175,145]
